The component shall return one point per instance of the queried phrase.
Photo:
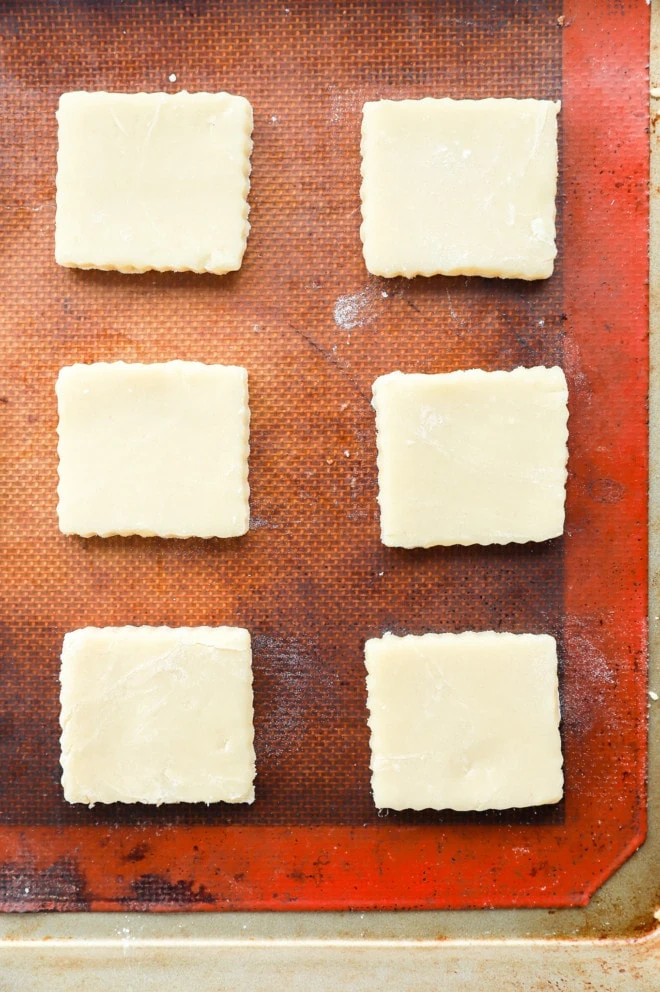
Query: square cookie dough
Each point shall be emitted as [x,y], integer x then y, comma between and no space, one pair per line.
[157,715]
[464,721]
[156,450]
[459,187]
[153,181]
[471,457]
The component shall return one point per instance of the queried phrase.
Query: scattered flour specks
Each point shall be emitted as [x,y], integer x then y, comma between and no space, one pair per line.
[355,309]
[337,109]
[256,523]
[344,103]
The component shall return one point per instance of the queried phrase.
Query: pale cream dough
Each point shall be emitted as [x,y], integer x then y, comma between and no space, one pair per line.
[471,457]
[157,715]
[459,187]
[156,450]
[464,721]
[153,181]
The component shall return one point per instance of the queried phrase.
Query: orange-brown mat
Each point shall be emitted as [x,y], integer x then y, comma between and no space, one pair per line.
[311,580]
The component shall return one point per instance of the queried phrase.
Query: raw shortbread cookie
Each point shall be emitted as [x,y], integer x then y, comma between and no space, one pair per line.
[464,721]
[471,457]
[157,715]
[156,450]
[153,181]
[459,187]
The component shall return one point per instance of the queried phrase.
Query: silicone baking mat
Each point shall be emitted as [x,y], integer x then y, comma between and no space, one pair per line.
[311,580]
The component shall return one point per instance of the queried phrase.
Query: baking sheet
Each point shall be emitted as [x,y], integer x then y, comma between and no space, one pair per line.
[314,331]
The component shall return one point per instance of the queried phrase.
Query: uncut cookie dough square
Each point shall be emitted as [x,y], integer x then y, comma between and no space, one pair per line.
[471,457]
[464,721]
[155,450]
[153,181]
[459,187]
[157,715]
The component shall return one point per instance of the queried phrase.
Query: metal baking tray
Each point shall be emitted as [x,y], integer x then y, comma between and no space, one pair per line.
[314,331]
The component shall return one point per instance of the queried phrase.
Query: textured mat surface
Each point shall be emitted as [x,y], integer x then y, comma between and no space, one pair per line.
[311,580]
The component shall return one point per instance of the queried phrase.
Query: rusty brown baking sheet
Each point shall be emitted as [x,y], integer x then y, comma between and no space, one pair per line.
[311,580]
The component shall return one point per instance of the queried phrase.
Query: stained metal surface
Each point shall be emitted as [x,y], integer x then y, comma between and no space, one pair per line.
[312,580]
